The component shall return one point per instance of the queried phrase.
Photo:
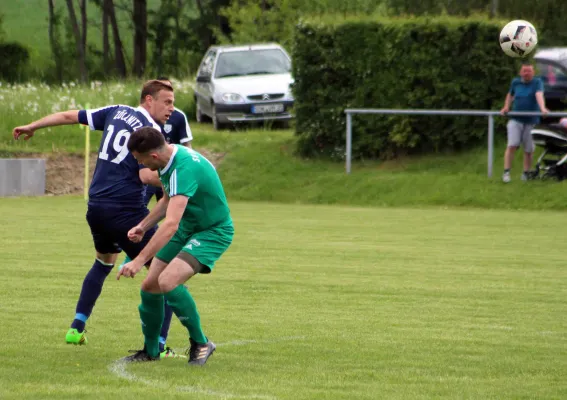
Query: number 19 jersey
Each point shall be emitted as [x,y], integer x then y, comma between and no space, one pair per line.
[116,181]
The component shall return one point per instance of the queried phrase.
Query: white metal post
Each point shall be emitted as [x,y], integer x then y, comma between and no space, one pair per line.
[490,144]
[478,113]
[348,142]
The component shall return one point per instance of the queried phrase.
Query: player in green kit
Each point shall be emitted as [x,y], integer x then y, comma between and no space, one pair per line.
[196,231]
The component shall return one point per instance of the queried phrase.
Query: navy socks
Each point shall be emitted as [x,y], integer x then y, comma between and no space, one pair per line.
[92,287]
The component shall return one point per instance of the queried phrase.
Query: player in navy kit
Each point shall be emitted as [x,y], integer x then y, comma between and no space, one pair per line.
[176,130]
[116,194]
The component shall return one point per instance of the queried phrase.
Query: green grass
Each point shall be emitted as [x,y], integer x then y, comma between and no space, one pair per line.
[260,165]
[343,303]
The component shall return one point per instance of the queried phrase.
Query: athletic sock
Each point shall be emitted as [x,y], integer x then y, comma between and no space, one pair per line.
[126,261]
[168,312]
[92,287]
[185,308]
[151,313]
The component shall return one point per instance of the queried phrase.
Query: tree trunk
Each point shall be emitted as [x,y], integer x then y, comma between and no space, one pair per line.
[78,41]
[200,7]
[177,42]
[83,7]
[140,19]
[55,50]
[118,52]
[105,38]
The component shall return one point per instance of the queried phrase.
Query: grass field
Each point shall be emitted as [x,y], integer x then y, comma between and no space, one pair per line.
[310,302]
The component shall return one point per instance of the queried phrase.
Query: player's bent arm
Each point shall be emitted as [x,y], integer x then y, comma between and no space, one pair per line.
[174,213]
[149,177]
[156,214]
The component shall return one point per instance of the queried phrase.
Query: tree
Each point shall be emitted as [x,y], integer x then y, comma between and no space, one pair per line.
[140,20]
[120,64]
[83,8]
[80,49]
[54,42]
[105,38]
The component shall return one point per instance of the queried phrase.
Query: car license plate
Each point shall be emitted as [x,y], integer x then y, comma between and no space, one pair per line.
[268,108]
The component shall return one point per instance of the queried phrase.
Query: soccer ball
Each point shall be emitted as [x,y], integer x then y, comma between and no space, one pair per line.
[518,38]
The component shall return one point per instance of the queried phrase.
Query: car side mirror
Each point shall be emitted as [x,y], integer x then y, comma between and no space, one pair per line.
[203,78]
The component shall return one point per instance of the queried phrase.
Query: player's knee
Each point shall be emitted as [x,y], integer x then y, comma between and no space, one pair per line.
[107,258]
[167,283]
[150,286]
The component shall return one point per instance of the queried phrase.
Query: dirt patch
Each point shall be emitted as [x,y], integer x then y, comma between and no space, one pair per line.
[65,173]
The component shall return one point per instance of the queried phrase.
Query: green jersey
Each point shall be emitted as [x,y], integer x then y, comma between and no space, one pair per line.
[190,174]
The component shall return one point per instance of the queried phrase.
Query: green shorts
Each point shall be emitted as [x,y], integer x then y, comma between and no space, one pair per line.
[206,246]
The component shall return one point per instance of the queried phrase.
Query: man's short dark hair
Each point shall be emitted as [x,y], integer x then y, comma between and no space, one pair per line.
[152,88]
[146,139]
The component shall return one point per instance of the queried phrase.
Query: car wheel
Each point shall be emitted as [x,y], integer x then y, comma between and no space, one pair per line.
[216,124]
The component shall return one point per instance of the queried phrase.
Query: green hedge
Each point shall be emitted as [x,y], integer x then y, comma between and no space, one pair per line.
[416,63]
[13,61]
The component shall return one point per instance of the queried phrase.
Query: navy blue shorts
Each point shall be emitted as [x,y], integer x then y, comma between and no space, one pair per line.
[150,191]
[110,226]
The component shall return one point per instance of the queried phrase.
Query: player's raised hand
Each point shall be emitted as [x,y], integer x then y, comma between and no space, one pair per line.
[23,130]
[129,270]
[136,234]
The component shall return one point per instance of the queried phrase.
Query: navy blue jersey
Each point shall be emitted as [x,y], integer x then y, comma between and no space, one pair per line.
[176,130]
[116,181]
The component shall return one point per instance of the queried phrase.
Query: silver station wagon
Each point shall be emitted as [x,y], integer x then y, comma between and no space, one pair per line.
[244,84]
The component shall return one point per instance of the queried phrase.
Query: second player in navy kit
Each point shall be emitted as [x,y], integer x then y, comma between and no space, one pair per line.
[176,130]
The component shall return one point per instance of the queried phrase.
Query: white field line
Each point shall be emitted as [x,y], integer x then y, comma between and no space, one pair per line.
[118,368]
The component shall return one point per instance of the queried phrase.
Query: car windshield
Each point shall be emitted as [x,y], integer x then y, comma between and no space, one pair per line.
[252,62]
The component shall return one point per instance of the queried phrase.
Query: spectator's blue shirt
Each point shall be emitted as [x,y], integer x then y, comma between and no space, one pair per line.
[176,130]
[116,180]
[525,98]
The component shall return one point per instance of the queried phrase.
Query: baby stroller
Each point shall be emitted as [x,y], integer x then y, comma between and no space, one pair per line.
[552,138]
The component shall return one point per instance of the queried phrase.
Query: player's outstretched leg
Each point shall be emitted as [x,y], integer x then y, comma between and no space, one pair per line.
[151,313]
[92,287]
[185,308]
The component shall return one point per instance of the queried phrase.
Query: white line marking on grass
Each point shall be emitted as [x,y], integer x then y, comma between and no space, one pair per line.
[118,368]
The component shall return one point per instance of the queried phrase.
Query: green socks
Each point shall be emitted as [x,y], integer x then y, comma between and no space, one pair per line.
[151,314]
[184,306]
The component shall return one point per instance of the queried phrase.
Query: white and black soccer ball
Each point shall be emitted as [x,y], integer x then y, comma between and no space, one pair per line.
[518,38]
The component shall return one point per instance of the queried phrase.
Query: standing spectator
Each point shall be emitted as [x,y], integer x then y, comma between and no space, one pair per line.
[526,95]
